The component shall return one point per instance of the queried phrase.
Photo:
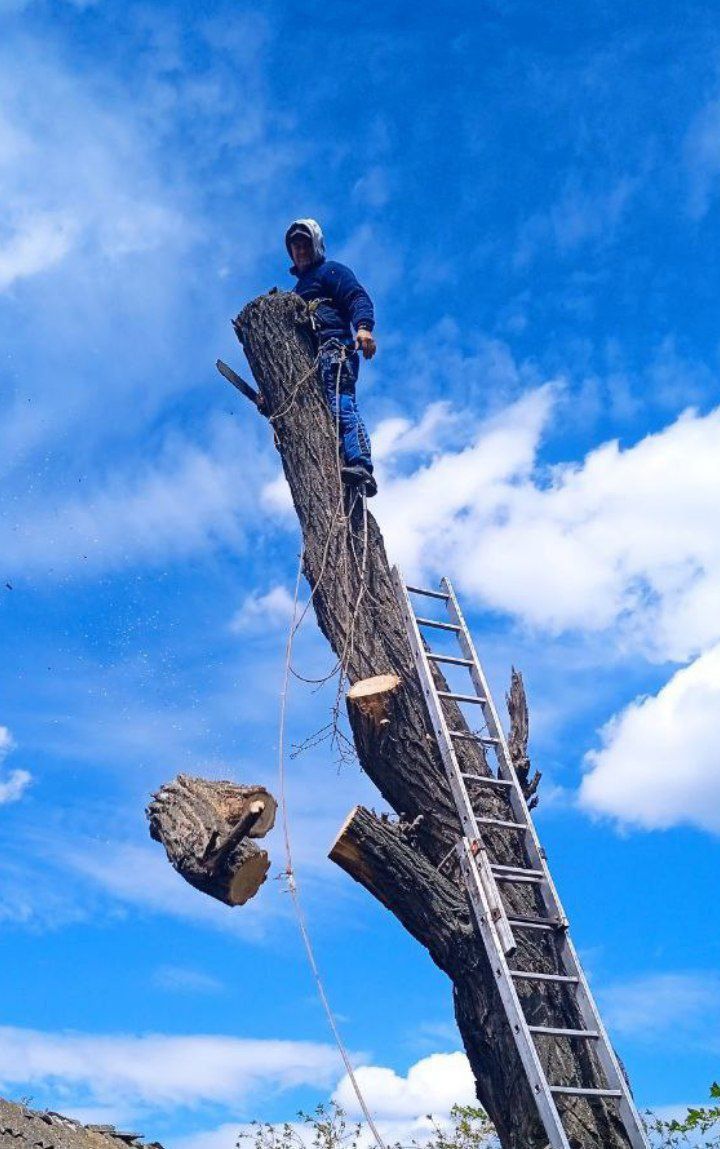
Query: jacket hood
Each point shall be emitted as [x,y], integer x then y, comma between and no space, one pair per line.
[312,228]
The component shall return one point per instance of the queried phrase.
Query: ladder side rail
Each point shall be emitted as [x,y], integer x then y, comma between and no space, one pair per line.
[536,853]
[603,1048]
[586,1003]
[480,683]
[524,1042]
[447,753]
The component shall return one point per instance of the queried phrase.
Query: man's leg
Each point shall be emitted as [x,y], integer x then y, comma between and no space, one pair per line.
[355,439]
[339,376]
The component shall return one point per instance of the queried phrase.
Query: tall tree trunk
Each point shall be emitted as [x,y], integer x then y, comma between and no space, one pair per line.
[347,569]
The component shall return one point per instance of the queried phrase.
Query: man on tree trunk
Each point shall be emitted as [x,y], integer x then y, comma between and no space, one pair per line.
[340,305]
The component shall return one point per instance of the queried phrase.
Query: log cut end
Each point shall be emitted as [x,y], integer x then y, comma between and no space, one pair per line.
[370,696]
[345,850]
[205,827]
[248,878]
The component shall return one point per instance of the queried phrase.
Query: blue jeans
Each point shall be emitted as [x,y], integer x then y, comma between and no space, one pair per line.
[353,435]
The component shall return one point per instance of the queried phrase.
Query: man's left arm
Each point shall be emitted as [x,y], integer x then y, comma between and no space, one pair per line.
[356,305]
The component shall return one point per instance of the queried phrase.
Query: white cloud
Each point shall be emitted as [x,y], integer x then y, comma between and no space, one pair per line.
[108,198]
[165,1072]
[619,544]
[263,611]
[14,786]
[7,743]
[668,1003]
[399,1105]
[399,436]
[432,515]
[36,243]
[16,783]
[433,1085]
[617,540]
[659,765]
[275,497]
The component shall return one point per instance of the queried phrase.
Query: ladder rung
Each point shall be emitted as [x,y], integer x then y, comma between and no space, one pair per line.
[428,593]
[551,1031]
[451,659]
[502,824]
[486,739]
[461,697]
[528,975]
[439,625]
[516,874]
[487,779]
[550,925]
[519,871]
[581,1091]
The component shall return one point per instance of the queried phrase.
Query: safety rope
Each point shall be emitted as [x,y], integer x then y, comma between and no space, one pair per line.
[290,870]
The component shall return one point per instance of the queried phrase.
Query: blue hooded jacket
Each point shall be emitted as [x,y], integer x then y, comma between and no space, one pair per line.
[345,302]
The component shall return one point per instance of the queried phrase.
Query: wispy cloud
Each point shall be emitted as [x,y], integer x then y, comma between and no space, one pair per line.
[190,498]
[14,785]
[702,158]
[141,878]
[179,979]
[684,1005]
[159,1071]
[580,215]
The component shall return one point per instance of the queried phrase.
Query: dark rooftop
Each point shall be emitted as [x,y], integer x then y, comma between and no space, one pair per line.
[44,1129]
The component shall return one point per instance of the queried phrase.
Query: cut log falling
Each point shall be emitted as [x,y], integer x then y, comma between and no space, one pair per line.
[205,827]
[346,567]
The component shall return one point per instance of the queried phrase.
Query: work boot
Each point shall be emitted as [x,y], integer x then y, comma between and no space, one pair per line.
[359,476]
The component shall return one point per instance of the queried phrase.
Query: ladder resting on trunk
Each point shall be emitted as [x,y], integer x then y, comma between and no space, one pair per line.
[413,868]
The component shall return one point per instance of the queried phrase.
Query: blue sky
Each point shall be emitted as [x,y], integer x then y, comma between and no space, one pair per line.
[532,196]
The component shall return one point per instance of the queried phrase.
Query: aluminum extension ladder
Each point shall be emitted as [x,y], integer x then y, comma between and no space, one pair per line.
[482,876]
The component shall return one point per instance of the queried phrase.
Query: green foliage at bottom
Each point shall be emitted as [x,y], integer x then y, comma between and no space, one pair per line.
[468,1128]
[328,1128]
[700,1128]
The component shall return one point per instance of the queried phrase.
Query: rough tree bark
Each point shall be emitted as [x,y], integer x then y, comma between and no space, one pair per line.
[204,826]
[345,564]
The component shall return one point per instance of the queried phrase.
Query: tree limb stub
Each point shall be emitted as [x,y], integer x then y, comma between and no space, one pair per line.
[369,697]
[518,741]
[354,600]
[205,825]
[373,852]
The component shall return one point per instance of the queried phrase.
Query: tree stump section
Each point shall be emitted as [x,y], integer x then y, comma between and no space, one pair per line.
[347,569]
[205,826]
[371,700]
